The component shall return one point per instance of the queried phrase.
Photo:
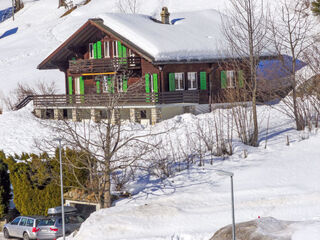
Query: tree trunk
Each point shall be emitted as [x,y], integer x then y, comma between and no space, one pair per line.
[297,117]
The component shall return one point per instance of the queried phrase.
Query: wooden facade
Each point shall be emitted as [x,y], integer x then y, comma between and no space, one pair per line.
[99,64]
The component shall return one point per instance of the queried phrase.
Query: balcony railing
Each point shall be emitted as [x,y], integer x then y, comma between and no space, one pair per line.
[115,99]
[104,65]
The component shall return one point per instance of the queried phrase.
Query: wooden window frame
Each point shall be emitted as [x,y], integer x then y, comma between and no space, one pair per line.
[91,51]
[231,78]
[192,80]
[106,49]
[179,81]
[115,49]
[131,53]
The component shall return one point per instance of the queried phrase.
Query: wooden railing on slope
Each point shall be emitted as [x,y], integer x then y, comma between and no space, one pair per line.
[24,102]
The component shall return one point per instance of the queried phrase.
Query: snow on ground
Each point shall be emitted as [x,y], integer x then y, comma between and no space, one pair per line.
[5,4]
[280,181]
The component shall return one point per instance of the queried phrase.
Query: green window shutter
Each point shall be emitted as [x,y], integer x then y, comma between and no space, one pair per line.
[70,85]
[147,78]
[99,50]
[203,81]
[119,49]
[98,86]
[172,83]
[124,54]
[124,84]
[241,79]
[155,82]
[124,51]
[81,85]
[95,55]
[223,79]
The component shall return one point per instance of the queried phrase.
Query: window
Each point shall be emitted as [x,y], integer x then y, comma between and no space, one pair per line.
[131,53]
[91,51]
[115,49]
[179,81]
[23,222]
[231,79]
[119,84]
[15,221]
[192,80]
[46,222]
[108,83]
[143,114]
[107,49]
[30,222]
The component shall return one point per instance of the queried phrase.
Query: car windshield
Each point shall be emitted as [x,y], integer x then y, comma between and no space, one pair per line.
[46,222]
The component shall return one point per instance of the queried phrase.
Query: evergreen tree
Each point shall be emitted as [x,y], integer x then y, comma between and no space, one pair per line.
[315,7]
[35,181]
[5,190]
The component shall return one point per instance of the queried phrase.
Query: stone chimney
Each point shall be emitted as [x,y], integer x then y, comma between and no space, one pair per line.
[165,15]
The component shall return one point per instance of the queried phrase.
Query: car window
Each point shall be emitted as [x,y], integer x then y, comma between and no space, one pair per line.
[16,221]
[23,222]
[46,222]
[74,219]
[30,222]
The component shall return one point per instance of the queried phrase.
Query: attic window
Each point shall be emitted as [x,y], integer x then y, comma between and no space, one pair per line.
[91,51]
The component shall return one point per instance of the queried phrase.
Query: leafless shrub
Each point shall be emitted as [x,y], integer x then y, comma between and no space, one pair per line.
[128,6]
[292,34]
[24,90]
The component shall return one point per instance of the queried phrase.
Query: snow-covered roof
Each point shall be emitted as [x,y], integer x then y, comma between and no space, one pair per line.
[196,36]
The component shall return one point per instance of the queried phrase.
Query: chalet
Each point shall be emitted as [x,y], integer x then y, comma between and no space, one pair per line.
[148,70]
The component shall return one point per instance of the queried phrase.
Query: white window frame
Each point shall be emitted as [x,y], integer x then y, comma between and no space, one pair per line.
[131,53]
[193,78]
[179,80]
[107,49]
[115,49]
[231,79]
[91,50]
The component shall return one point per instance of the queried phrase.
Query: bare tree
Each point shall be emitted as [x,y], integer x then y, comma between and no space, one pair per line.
[24,90]
[108,150]
[292,35]
[128,6]
[245,31]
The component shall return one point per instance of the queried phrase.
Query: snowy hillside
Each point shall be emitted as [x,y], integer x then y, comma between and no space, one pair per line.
[280,181]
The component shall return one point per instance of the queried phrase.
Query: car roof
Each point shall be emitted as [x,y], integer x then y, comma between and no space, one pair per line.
[34,217]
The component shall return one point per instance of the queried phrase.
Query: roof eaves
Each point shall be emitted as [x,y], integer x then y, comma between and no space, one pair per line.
[64,44]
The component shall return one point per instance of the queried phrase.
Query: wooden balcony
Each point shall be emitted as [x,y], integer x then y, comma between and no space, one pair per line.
[116,99]
[104,65]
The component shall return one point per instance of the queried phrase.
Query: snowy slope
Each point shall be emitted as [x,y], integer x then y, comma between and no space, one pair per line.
[5,4]
[280,181]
